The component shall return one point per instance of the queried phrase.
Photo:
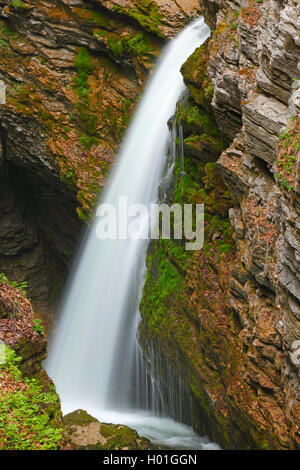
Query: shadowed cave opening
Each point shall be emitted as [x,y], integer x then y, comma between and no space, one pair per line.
[39,230]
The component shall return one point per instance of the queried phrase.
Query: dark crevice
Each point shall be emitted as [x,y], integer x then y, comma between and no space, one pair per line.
[39,228]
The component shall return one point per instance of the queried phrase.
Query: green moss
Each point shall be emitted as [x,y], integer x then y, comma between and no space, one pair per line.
[116,46]
[288,149]
[27,414]
[125,116]
[139,45]
[198,120]
[124,437]
[88,117]
[88,141]
[100,18]
[95,16]
[167,283]
[79,418]
[146,13]
[113,436]
[5,31]
[82,61]
[117,123]
[215,144]
[18,5]
[100,33]
[38,326]
[4,45]
[194,72]
[84,67]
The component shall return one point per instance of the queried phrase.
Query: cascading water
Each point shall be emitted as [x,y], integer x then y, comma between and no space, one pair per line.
[92,353]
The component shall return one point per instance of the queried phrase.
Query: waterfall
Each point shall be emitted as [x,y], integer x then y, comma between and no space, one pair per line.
[94,347]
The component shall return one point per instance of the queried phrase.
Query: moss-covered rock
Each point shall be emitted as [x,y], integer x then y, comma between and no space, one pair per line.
[196,78]
[202,137]
[161,18]
[83,432]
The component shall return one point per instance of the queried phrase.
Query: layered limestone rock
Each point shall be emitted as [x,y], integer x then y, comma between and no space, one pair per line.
[261,167]
[240,353]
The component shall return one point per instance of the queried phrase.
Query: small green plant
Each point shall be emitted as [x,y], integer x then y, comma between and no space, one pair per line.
[22,286]
[83,65]
[3,44]
[18,5]
[89,140]
[146,14]
[38,327]
[225,248]
[18,88]
[4,30]
[116,46]
[3,278]
[139,45]
[283,183]
[288,149]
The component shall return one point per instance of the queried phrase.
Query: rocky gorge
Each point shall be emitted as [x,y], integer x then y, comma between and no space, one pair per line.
[227,318]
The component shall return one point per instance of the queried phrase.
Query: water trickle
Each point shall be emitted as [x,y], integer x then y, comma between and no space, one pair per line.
[94,356]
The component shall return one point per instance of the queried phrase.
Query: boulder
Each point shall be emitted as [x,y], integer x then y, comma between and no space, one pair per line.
[84,432]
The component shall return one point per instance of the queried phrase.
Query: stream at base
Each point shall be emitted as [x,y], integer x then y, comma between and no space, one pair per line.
[165,432]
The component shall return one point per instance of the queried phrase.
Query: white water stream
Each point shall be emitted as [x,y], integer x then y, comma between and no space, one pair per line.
[91,355]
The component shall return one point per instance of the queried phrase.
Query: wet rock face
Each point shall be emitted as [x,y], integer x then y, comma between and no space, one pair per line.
[241,357]
[83,432]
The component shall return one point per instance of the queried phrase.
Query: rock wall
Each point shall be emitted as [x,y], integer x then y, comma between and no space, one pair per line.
[257,79]
[73,72]
[240,311]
